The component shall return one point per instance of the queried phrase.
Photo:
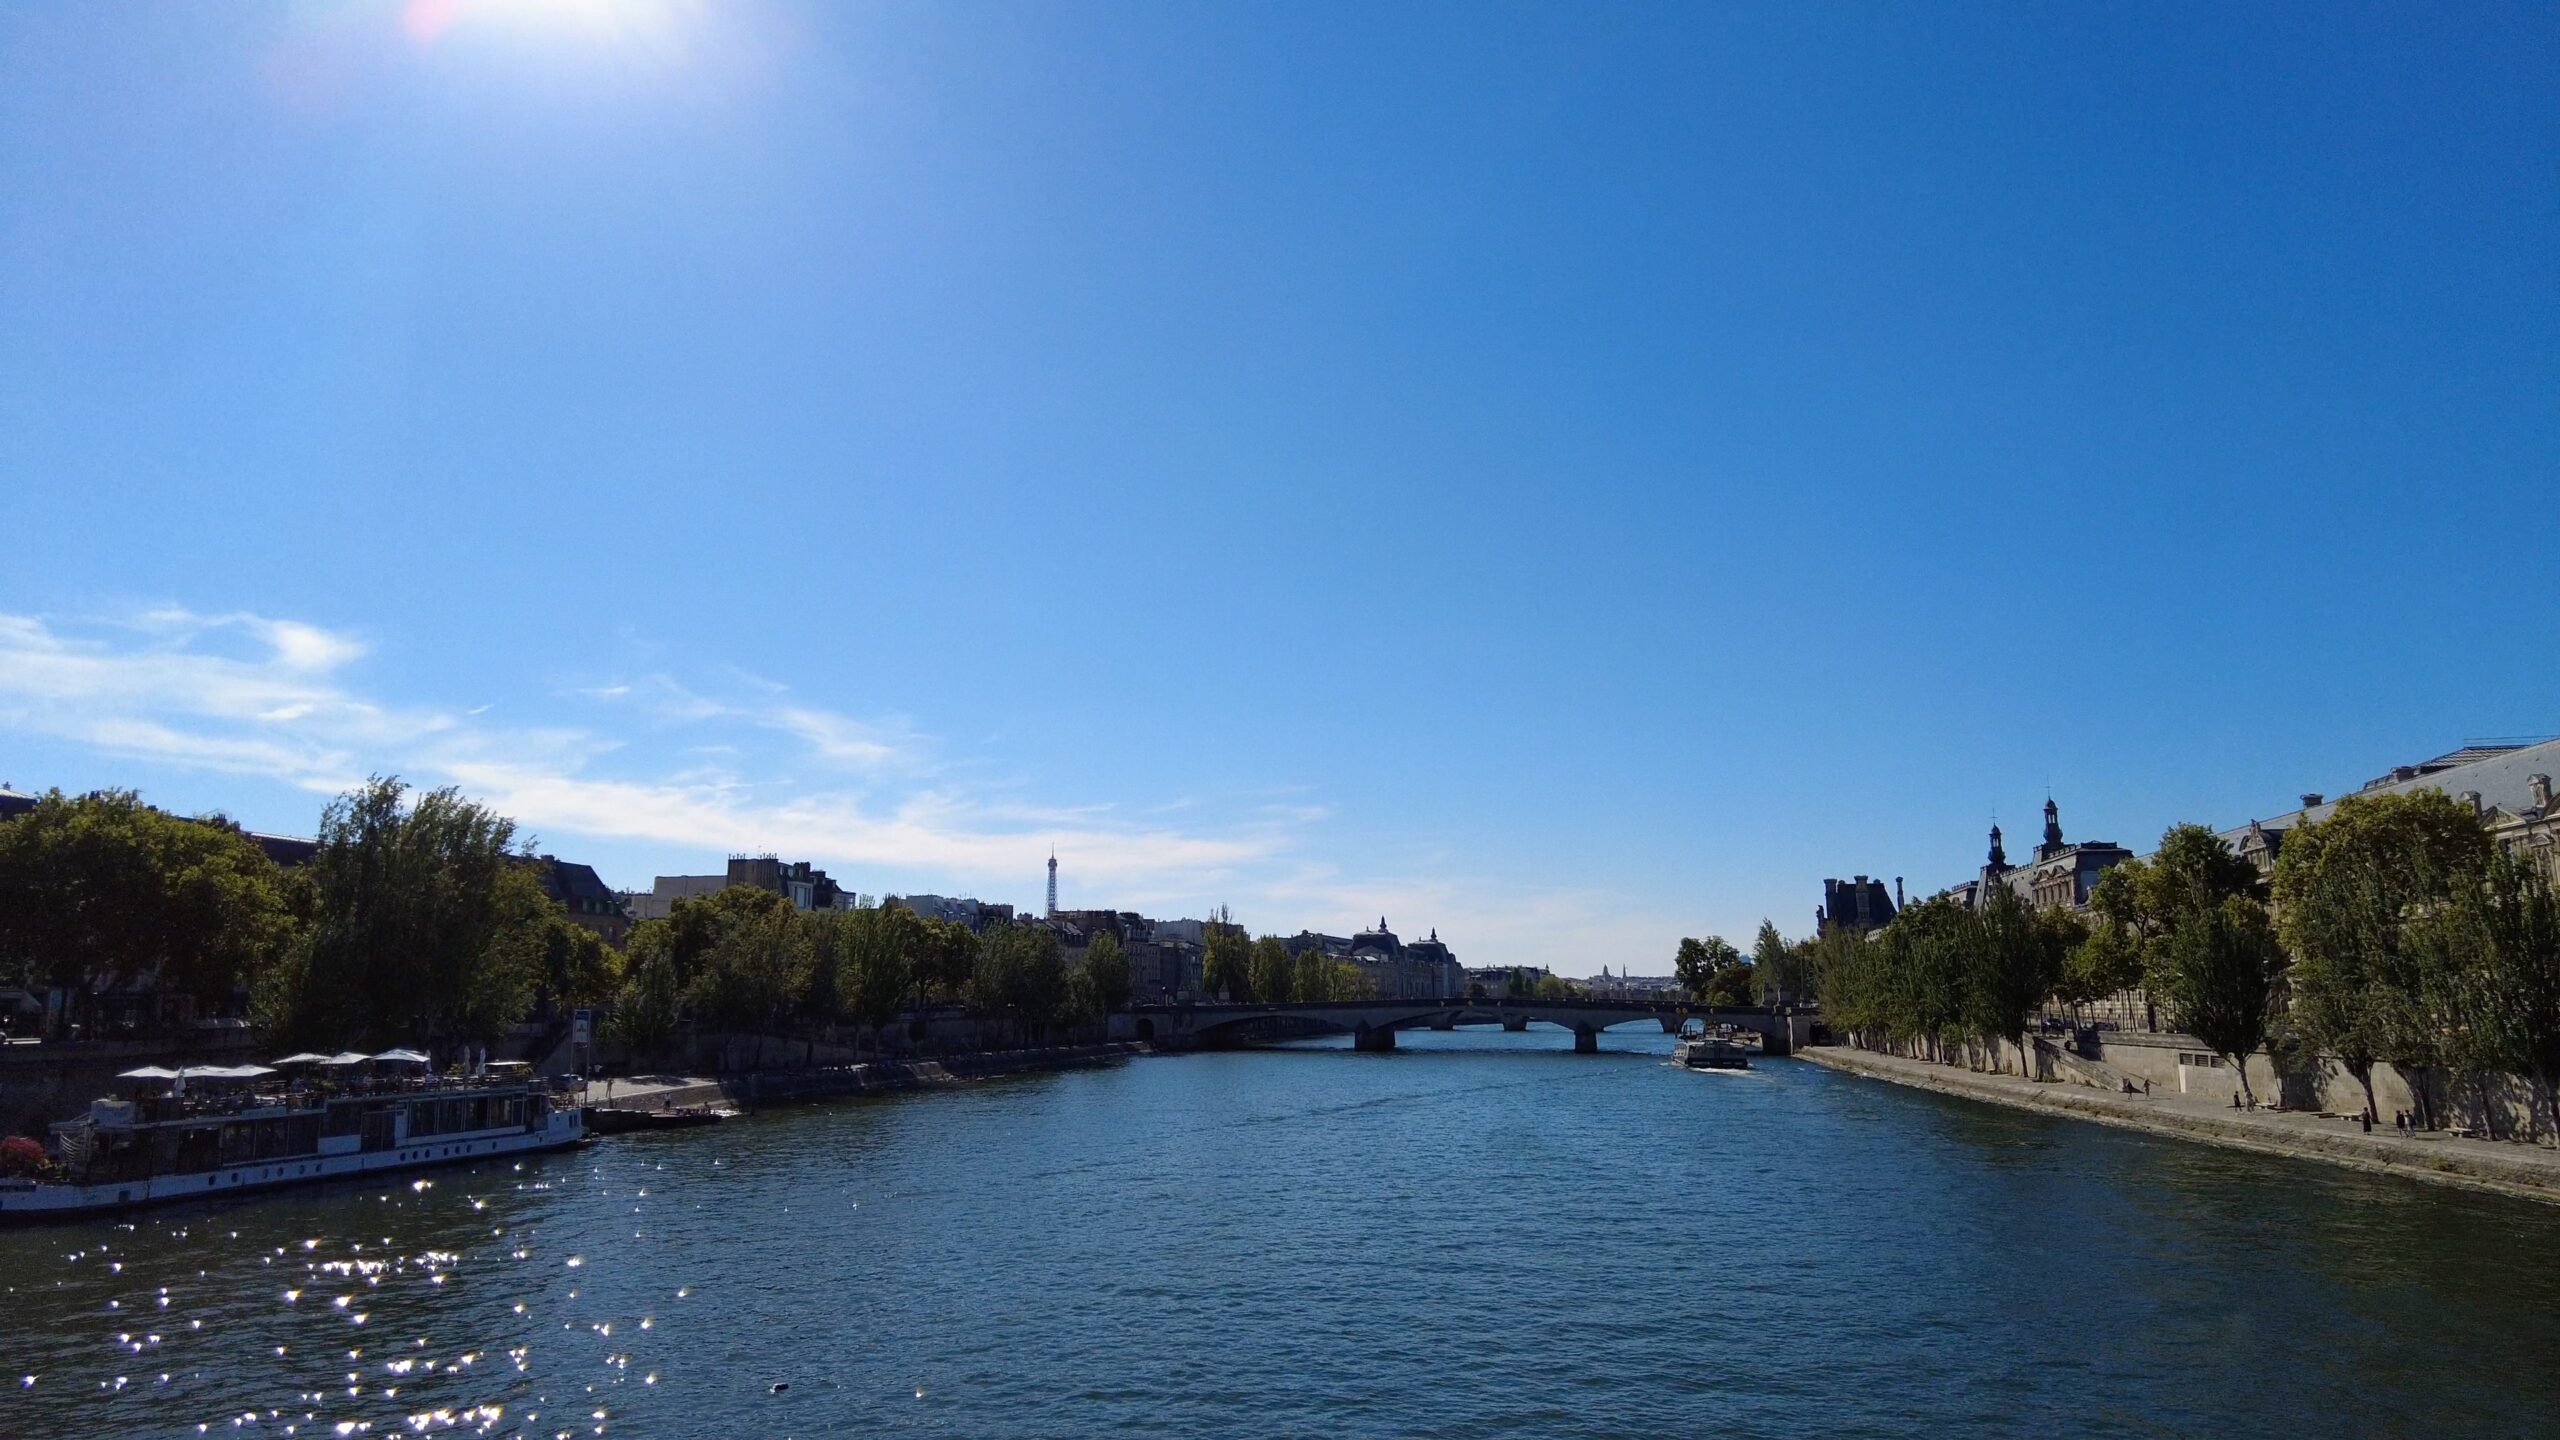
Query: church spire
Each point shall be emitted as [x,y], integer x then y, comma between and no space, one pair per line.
[2052,824]
[1999,857]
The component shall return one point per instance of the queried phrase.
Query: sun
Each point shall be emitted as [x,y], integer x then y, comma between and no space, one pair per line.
[595,21]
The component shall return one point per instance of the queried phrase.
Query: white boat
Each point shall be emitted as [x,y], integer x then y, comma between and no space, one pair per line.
[1701,1051]
[156,1149]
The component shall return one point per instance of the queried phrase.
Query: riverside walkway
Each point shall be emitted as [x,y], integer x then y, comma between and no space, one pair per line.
[2528,1170]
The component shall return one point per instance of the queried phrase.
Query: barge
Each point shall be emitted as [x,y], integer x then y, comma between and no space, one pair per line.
[246,1128]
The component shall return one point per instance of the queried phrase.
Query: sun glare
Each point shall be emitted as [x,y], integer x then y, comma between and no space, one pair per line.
[592,21]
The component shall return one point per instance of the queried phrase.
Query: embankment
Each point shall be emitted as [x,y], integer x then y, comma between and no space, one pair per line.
[2528,1171]
[789,1087]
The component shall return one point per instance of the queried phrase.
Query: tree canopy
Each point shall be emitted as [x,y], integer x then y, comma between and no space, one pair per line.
[1226,961]
[427,926]
[1698,962]
[2348,889]
[102,891]
[1107,965]
[1270,972]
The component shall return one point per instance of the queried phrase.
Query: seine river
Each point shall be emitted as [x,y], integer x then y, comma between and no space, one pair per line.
[1481,1234]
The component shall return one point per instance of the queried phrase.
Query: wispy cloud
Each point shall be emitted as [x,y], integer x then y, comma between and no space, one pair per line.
[669,768]
[175,687]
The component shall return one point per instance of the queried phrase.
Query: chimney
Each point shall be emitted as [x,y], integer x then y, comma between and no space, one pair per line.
[2470,800]
[2540,787]
[2311,799]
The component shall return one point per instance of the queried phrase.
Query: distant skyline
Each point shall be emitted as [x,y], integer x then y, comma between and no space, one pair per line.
[1571,478]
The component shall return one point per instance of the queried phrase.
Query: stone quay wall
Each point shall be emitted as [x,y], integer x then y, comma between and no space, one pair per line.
[2528,1170]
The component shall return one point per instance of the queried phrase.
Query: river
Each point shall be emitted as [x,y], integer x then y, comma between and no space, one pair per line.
[1480,1234]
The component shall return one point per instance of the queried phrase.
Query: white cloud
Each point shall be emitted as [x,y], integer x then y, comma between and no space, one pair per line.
[834,737]
[688,775]
[280,713]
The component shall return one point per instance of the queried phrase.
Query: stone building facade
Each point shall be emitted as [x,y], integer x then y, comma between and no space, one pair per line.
[2058,876]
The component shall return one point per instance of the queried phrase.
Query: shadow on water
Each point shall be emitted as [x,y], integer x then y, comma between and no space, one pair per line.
[2263,1283]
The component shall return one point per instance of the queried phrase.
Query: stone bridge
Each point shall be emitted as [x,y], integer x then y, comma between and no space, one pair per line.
[1372,1024]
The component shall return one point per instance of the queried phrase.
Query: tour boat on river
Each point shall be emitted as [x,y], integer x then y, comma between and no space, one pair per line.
[221,1130]
[1701,1051]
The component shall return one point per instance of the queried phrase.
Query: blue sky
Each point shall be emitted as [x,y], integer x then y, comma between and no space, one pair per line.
[1572,476]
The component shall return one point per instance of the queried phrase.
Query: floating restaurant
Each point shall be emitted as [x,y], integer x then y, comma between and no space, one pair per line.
[206,1130]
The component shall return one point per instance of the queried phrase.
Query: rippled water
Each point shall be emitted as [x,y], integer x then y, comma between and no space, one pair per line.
[1481,1234]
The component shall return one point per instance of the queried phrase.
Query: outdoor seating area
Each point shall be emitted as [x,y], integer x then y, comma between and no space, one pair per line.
[301,1081]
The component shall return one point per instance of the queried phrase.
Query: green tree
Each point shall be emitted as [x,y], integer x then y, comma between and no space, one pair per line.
[1315,977]
[697,924]
[948,960]
[649,1004]
[1925,955]
[827,939]
[2012,963]
[1271,971]
[2192,871]
[1554,987]
[2215,969]
[1735,985]
[577,968]
[2210,954]
[1044,978]
[1698,962]
[2489,958]
[2105,961]
[1842,968]
[1774,966]
[103,891]
[1350,982]
[752,977]
[2347,890]
[1080,1007]
[1108,966]
[427,927]
[880,964]
[1022,977]
[1226,961]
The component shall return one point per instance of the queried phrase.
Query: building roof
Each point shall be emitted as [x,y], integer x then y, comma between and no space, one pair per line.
[568,882]
[286,851]
[2499,774]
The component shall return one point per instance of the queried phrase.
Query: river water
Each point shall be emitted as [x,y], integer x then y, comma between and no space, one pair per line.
[1481,1234]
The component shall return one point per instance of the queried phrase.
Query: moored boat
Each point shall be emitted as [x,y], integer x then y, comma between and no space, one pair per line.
[247,1128]
[609,1120]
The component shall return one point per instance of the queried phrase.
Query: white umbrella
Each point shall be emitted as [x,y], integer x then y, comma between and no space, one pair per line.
[410,1057]
[307,1057]
[347,1057]
[149,1072]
